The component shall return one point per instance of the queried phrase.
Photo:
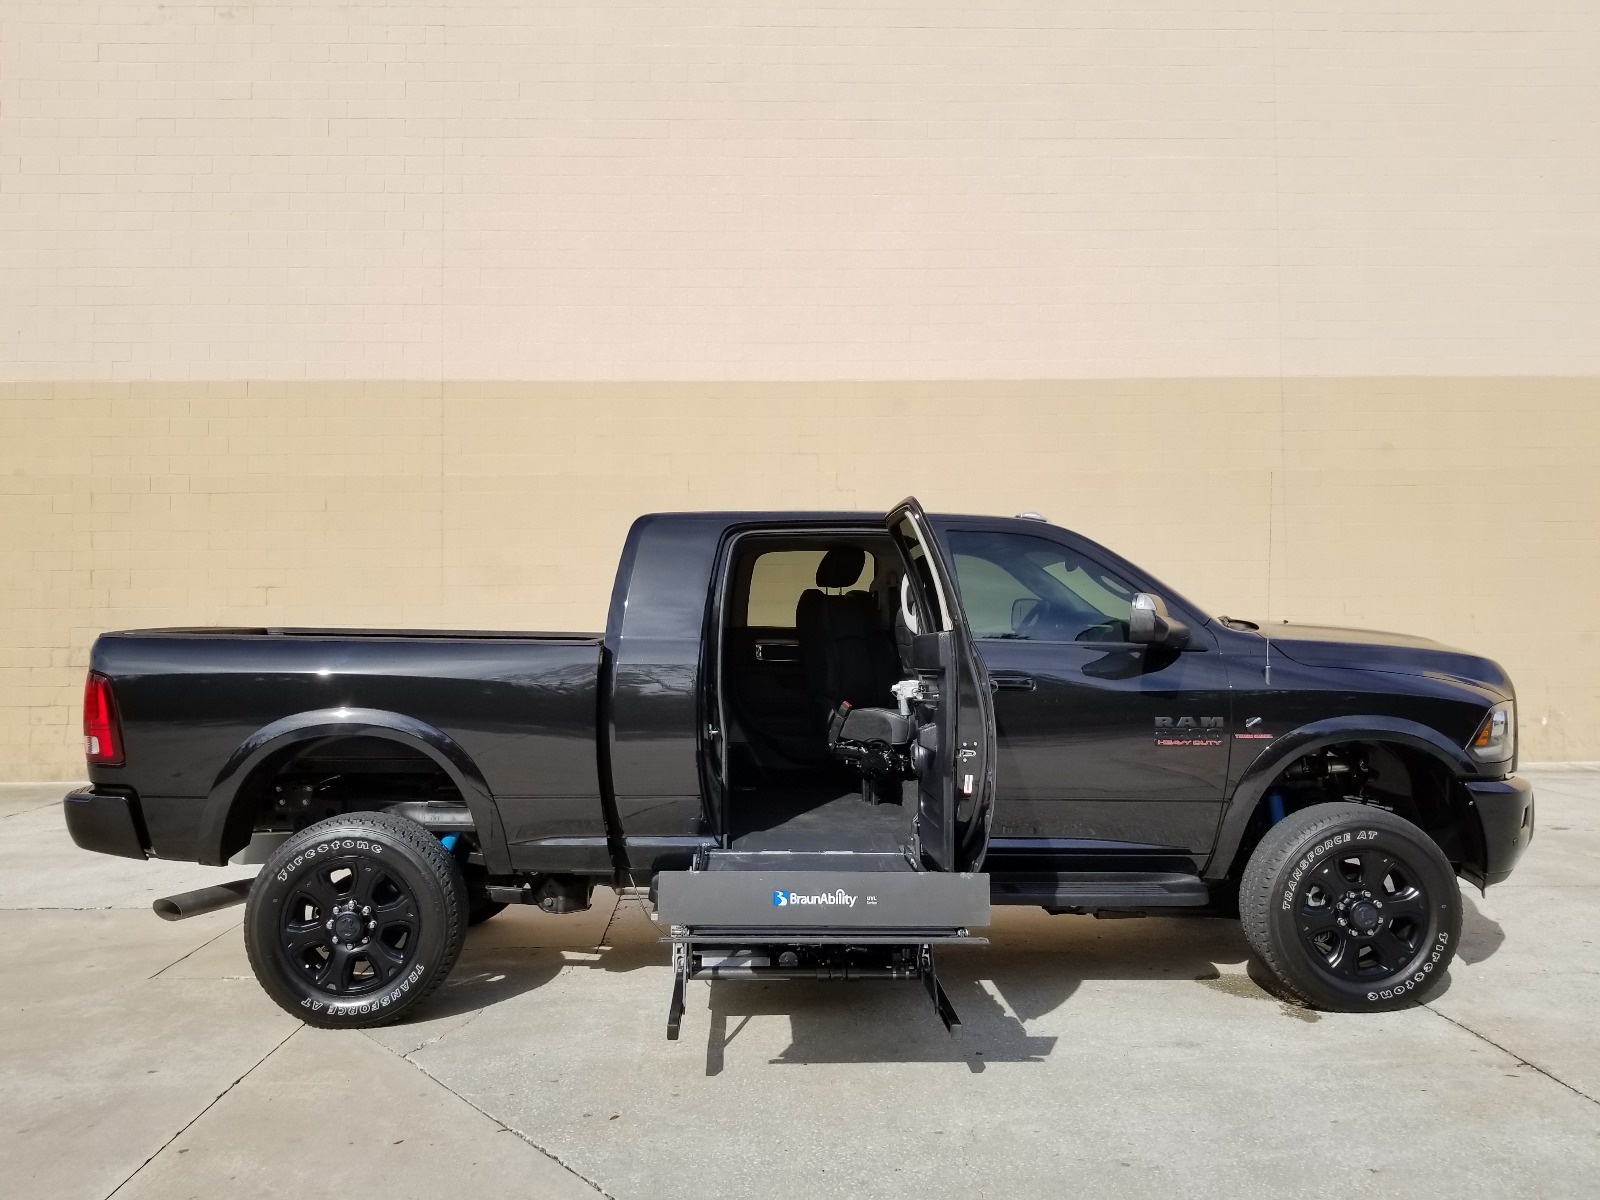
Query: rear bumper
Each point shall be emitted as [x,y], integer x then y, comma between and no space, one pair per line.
[1505,816]
[107,822]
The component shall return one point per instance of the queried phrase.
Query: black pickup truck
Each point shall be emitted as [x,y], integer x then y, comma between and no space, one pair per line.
[822,744]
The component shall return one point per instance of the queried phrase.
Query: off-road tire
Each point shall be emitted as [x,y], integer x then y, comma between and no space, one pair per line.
[1306,904]
[404,893]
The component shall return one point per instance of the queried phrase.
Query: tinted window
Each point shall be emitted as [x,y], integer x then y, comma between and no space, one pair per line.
[1016,586]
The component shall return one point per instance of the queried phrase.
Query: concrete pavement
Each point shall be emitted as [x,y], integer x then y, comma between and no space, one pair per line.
[1113,1058]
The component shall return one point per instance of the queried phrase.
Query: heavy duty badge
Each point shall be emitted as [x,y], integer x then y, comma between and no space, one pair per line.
[1189,731]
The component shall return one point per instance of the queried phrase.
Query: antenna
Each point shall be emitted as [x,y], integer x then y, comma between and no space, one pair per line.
[1266,642]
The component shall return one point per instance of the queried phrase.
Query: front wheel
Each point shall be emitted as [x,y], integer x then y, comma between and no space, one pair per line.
[1351,908]
[355,920]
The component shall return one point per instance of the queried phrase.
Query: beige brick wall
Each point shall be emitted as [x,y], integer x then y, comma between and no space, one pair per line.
[1466,509]
[1296,303]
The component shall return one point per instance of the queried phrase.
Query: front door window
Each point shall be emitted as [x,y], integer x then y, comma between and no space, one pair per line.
[1033,589]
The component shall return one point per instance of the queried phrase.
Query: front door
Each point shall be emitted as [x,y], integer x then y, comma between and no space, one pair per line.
[954,753]
[1106,745]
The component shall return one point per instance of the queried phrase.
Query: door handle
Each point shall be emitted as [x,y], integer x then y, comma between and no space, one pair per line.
[1021,683]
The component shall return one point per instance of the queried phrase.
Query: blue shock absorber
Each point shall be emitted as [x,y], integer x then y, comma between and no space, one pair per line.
[449,840]
[1275,806]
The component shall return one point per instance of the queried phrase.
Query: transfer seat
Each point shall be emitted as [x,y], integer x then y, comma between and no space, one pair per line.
[846,654]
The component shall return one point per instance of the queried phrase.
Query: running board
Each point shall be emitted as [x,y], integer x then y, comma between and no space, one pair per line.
[1103,889]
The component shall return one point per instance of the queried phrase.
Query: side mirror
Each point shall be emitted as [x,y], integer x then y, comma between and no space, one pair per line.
[1024,611]
[1150,624]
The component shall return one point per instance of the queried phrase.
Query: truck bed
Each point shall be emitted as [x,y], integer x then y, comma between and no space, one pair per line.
[522,707]
[312,631]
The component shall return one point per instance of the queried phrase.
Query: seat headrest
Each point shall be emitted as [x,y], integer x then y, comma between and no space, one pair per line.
[841,566]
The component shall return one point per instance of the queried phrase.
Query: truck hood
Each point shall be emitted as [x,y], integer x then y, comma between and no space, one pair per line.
[1374,650]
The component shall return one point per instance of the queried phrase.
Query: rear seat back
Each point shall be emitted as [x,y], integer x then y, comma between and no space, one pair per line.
[843,646]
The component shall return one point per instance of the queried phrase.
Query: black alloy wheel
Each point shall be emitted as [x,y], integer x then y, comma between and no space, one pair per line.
[349,927]
[1363,915]
[355,920]
[1351,908]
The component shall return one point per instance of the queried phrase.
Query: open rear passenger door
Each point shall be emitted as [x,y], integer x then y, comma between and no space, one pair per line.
[954,752]
[840,913]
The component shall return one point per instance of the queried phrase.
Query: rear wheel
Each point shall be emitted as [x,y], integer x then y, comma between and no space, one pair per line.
[1351,908]
[355,920]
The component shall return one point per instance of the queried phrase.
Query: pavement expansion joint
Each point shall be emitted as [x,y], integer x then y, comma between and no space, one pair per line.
[187,1125]
[196,950]
[504,1128]
[1532,1066]
[605,934]
[22,812]
[434,1041]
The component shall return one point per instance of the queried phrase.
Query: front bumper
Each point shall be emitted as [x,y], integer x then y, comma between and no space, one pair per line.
[1505,817]
[107,822]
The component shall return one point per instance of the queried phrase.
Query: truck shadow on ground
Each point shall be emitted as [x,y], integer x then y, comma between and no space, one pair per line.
[1481,936]
[1033,965]
[493,977]
[524,950]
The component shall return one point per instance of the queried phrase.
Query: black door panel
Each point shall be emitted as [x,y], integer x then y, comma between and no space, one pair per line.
[767,699]
[1083,750]
[1083,732]
[1082,828]
[1100,740]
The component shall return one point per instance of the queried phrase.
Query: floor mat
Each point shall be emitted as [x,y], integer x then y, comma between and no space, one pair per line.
[809,820]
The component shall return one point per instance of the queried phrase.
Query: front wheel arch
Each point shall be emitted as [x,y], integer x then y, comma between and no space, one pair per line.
[1230,850]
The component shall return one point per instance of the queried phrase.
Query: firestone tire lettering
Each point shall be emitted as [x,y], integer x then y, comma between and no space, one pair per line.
[346,844]
[1427,969]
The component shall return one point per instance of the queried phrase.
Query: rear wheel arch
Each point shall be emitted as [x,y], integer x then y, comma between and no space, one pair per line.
[235,798]
[1432,794]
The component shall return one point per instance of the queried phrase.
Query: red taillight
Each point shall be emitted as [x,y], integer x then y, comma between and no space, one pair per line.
[102,732]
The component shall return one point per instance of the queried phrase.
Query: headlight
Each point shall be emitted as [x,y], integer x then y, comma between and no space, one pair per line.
[1496,740]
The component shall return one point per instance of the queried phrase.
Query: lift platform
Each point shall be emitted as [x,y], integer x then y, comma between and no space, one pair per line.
[780,914]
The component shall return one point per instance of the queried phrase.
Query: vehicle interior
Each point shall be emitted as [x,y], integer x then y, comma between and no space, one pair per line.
[809,623]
